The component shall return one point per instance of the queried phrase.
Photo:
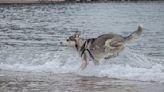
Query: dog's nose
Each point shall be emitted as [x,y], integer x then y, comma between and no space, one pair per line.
[61,43]
[67,40]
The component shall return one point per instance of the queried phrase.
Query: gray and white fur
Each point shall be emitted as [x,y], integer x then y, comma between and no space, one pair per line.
[105,46]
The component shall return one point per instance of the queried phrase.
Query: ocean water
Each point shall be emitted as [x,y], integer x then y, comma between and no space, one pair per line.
[30,37]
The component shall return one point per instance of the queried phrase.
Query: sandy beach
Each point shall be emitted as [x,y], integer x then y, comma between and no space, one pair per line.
[11,81]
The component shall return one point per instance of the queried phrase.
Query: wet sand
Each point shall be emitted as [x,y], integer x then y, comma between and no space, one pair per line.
[50,82]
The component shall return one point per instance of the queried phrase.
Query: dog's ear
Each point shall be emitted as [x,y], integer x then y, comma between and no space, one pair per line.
[77,33]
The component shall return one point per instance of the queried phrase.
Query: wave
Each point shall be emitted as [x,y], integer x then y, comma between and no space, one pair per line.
[129,66]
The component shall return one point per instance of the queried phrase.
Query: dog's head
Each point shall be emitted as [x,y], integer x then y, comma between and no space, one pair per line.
[73,40]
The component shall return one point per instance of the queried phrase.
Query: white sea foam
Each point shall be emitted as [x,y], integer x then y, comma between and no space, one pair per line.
[136,67]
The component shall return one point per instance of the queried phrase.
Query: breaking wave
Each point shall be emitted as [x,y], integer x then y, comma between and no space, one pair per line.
[128,65]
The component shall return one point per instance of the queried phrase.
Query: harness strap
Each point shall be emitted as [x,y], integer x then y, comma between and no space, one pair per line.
[83,48]
[90,54]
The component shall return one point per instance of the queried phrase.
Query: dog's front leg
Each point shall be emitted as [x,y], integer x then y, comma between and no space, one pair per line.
[84,61]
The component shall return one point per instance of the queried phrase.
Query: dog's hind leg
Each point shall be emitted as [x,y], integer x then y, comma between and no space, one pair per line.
[84,61]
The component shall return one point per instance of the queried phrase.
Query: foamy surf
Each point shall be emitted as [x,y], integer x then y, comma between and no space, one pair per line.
[130,66]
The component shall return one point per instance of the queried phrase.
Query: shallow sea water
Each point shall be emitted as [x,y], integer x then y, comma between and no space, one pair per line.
[30,49]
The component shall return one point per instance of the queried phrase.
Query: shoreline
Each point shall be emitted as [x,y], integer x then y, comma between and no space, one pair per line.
[17,81]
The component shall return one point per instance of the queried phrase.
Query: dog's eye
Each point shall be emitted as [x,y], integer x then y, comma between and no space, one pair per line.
[69,38]
[75,45]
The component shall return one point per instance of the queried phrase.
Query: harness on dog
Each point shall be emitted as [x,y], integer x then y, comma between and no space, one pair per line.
[85,47]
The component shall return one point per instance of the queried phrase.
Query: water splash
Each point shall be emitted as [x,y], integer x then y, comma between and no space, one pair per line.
[128,65]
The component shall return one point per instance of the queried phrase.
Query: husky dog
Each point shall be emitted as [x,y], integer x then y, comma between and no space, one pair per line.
[105,46]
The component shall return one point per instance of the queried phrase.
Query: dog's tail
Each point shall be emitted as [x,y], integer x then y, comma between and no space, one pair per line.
[135,34]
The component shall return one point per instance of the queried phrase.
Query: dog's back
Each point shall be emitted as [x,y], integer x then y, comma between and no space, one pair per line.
[109,45]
